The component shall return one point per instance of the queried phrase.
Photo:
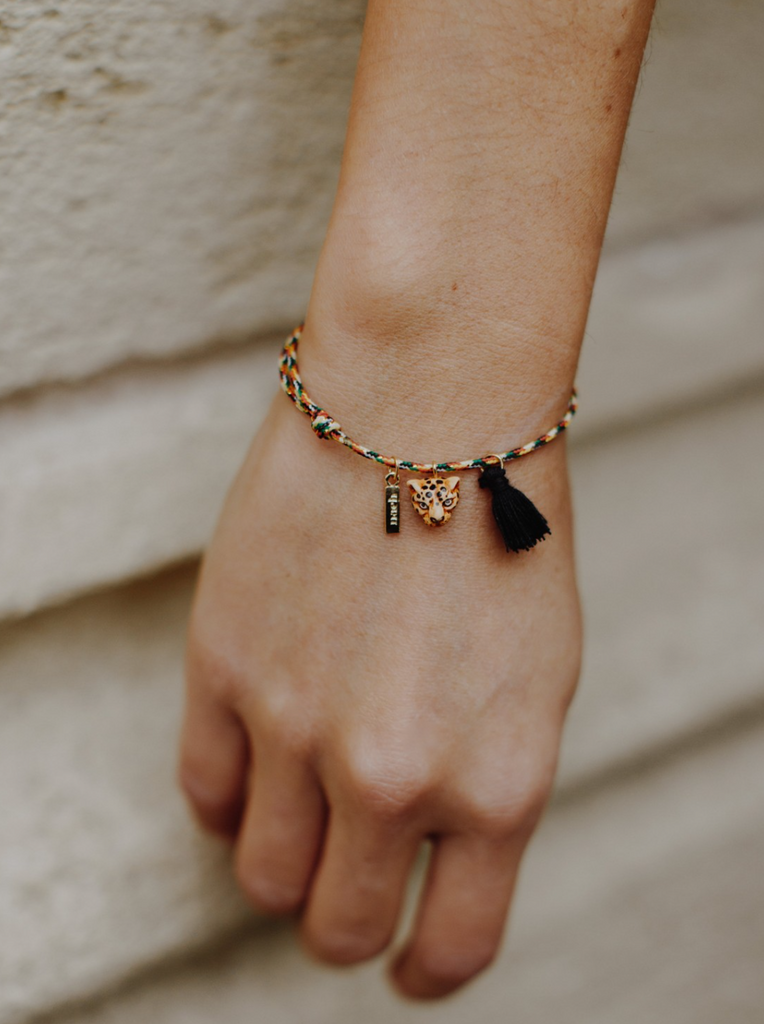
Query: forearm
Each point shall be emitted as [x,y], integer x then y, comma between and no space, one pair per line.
[481,152]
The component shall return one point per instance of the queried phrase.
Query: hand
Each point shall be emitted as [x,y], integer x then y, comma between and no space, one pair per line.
[351,694]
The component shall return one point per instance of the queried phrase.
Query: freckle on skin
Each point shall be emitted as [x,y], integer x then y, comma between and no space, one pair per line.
[608,107]
[617,51]
[454,286]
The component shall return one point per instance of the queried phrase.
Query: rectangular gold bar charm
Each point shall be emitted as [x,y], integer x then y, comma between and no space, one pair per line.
[392,508]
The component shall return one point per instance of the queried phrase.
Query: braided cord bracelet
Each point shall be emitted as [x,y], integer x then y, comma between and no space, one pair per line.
[434,498]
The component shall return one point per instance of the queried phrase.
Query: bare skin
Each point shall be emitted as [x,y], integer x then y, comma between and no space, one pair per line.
[352,694]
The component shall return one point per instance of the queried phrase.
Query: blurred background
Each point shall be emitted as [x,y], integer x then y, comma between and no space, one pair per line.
[166,175]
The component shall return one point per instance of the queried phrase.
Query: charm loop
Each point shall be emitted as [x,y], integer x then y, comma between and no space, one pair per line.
[392,477]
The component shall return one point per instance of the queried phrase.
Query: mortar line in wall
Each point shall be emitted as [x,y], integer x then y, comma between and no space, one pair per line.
[711,223]
[718,728]
[9,618]
[666,414]
[219,347]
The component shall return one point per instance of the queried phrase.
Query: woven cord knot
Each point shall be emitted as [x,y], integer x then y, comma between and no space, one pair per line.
[323,424]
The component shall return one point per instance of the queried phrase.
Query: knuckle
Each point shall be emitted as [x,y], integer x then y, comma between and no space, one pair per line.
[503,811]
[196,780]
[389,790]
[267,891]
[193,784]
[389,779]
[278,717]
[219,672]
[296,742]
[531,795]
[216,813]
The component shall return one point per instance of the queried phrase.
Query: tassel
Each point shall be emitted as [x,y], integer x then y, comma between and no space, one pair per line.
[520,522]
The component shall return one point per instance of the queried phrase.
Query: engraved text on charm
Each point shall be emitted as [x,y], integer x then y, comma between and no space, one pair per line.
[392,508]
[392,501]
[435,498]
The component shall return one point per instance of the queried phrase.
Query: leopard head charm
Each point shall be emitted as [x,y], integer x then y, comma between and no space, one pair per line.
[435,498]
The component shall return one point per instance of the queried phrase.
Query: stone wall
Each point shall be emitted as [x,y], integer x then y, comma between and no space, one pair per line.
[166,174]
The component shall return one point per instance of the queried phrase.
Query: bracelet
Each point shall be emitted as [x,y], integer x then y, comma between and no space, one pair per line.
[434,498]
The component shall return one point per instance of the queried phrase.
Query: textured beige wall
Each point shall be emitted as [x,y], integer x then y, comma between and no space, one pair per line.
[166,172]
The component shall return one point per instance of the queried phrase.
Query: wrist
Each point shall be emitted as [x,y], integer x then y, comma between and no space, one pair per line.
[433,277]
[454,392]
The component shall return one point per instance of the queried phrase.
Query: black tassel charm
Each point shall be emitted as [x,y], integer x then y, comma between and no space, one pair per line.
[522,525]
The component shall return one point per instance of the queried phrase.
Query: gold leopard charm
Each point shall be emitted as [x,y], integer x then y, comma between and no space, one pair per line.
[435,498]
